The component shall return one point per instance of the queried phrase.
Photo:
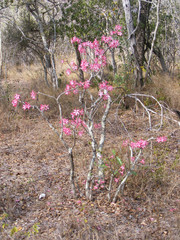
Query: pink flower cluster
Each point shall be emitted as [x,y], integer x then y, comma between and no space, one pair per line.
[74,85]
[84,65]
[142,161]
[68,71]
[26,106]
[75,122]
[67,131]
[99,184]
[142,143]
[97,125]
[106,39]
[74,66]
[116,180]
[139,144]
[77,112]
[98,53]
[121,170]
[161,139]
[75,40]
[44,107]
[16,100]
[117,31]
[104,89]
[33,95]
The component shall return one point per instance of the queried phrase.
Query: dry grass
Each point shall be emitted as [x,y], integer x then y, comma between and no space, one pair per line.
[167,89]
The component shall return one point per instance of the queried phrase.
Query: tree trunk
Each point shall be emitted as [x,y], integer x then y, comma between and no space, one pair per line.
[137,36]
[49,53]
[132,39]
[113,61]
[158,53]
[78,57]
[1,56]
[140,35]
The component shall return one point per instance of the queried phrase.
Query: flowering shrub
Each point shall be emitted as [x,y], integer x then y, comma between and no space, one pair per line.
[120,174]
[82,118]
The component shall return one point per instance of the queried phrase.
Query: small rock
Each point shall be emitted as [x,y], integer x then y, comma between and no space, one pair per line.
[42,196]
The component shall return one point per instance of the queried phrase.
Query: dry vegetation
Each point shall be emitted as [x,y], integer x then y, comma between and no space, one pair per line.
[33,162]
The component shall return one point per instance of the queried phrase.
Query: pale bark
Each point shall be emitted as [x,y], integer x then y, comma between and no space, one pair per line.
[78,57]
[131,36]
[102,139]
[154,38]
[1,56]
[114,65]
[49,51]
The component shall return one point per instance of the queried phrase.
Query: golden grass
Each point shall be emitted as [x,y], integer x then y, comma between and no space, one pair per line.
[167,88]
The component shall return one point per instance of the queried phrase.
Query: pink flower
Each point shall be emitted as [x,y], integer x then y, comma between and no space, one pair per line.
[75,39]
[139,144]
[86,84]
[73,83]
[118,27]
[80,133]
[62,61]
[68,71]
[95,67]
[75,91]
[114,44]
[79,202]
[84,182]
[106,39]
[142,161]
[17,97]
[74,66]
[122,173]
[81,49]
[122,167]
[26,106]
[81,112]
[67,90]
[96,43]
[119,33]
[67,131]
[102,181]
[76,122]
[44,107]
[64,121]
[103,85]
[105,97]
[172,209]
[116,180]
[97,125]
[132,159]
[112,32]
[76,112]
[96,187]
[14,102]
[161,139]
[84,65]
[125,143]
[33,95]
[109,88]
[100,94]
